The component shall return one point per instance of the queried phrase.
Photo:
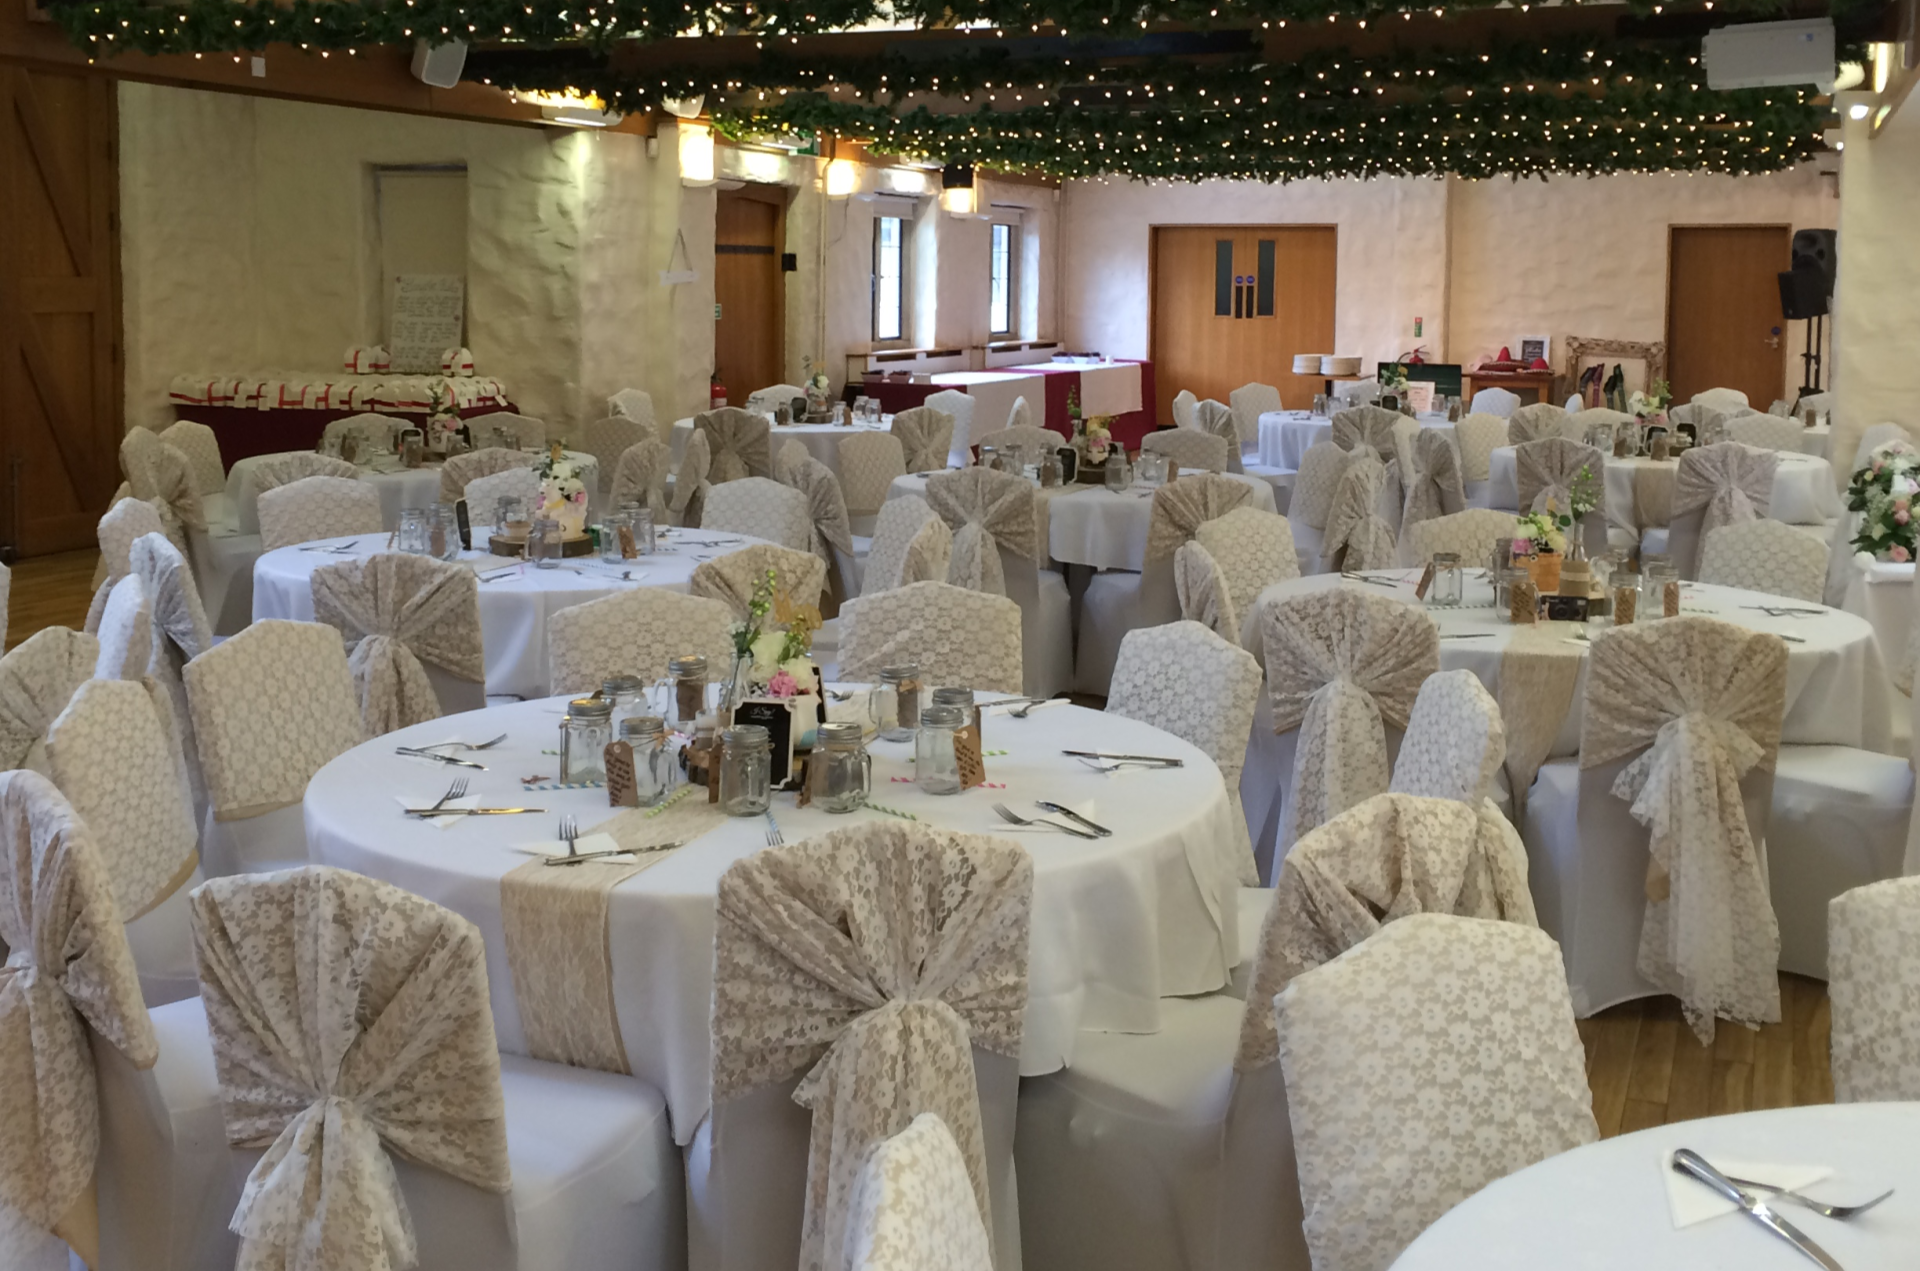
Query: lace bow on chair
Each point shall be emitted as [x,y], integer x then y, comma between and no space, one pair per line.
[1723,485]
[733,578]
[1204,595]
[1357,535]
[396,612]
[739,442]
[1215,417]
[640,476]
[826,508]
[911,544]
[1366,425]
[926,435]
[1183,506]
[1436,488]
[460,470]
[690,482]
[988,512]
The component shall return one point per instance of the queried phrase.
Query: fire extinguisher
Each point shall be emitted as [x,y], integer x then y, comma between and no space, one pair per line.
[717,394]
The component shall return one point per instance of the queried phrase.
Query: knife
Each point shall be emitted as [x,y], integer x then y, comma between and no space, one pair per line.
[1101,754]
[1063,810]
[1693,1164]
[430,813]
[577,857]
[418,753]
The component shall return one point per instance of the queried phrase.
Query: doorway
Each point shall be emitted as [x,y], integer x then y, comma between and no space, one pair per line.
[1235,303]
[749,289]
[1724,325]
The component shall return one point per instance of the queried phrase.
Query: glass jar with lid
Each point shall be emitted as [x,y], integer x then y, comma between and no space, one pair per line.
[746,770]
[653,763]
[894,703]
[628,696]
[585,730]
[686,690]
[961,699]
[411,536]
[843,770]
[936,766]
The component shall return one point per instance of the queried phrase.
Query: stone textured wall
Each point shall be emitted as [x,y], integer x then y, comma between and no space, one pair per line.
[1877,299]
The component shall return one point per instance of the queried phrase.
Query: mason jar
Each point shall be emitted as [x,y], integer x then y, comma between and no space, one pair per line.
[411,536]
[746,770]
[585,730]
[894,703]
[936,768]
[961,699]
[543,542]
[686,690]
[653,763]
[615,532]
[1118,475]
[1449,582]
[844,768]
[628,696]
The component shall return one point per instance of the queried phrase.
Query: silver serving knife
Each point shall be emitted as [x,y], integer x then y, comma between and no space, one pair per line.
[577,857]
[418,753]
[1062,809]
[1692,1163]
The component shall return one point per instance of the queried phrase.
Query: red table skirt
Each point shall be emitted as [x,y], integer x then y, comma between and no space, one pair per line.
[1128,429]
[244,432]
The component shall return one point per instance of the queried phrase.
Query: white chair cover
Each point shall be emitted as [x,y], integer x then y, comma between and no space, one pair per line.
[1874,962]
[38,677]
[1181,507]
[126,632]
[124,523]
[739,441]
[156,471]
[762,401]
[1465,1023]
[926,437]
[1341,667]
[1249,402]
[529,433]
[826,507]
[1020,416]
[1697,414]
[640,476]
[913,1207]
[180,634]
[396,612]
[636,633]
[763,508]
[731,579]
[369,429]
[1254,550]
[988,512]
[1542,420]
[1766,432]
[349,1018]
[459,470]
[1699,702]
[68,970]
[631,403]
[1476,437]
[1494,401]
[911,544]
[1436,488]
[1366,425]
[690,485]
[273,471]
[1183,410]
[1321,468]
[202,449]
[954,635]
[318,507]
[1357,535]
[609,440]
[957,406]
[1725,400]
[1469,534]
[1544,472]
[872,960]
[1217,418]
[1767,556]
[869,462]
[1193,450]
[1715,486]
[1455,743]
[1204,595]
[787,458]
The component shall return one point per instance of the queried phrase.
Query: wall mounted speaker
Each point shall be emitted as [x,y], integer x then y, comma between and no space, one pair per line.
[439,65]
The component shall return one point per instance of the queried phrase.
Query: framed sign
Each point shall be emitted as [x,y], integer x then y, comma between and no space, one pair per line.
[1535,346]
[429,317]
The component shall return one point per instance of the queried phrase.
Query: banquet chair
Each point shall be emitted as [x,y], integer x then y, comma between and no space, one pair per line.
[959,407]
[832,537]
[732,579]
[1368,426]
[636,633]
[1020,415]
[911,544]
[459,470]
[1118,601]
[114,758]
[1031,436]
[1470,535]
[1725,400]
[763,508]
[869,463]
[1321,468]
[373,433]
[181,633]
[162,475]
[72,982]
[1678,905]
[763,401]
[483,494]
[927,437]
[201,446]
[609,440]
[528,433]
[787,458]
[123,524]
[1697,415]
[412,630]
[440,1151]
[1434,488]
[957,637]
[1767,432]
[1508,1056]
[271,706]
[1183,405]
[1540,421]
[1250,401]
[1216,418]
[270,472]
[1545,471]
[1358,534]
[885,947]
[318,507]
[913,1207]
[1494,401]
[1767,556]
[1875,960]
[1201,588]
[739,442]
[640,476]
[38,677]
[632,403]
[997,548]
[126,632]
[1193,450]
[1476,437]
[690,486]
[1254,550]
[1716,485]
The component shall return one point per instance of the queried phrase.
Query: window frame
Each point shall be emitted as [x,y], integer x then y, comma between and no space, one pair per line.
[1014,231]
[904,277]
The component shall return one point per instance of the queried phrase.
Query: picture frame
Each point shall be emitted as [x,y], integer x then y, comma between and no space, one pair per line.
[1529,347]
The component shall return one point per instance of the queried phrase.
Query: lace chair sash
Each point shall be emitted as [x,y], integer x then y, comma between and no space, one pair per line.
[1183,406]
[172,488]
[397,611]
[1182,506]
[640,476]
[1437,488]
[1216,417]
[926,435]
[177,611]
[913,1206]
[632,403]
[1537,422]
[37,680]
[202,449]
[740,443]
[1368,425]
[1021,416]
[1321,468]
[869,961]
[460,470]
[911,544]
[1546,469]
[696,462]
[1203,592]
[826,507]
[274,471]
[1357,536]
[1455,742]
[608,441]
[1702,701]
[68,968]
[787,460]
[483,494]
[988,512]
[347,1016]
[732,578]
[1254,550]
[1732,482]
[1341,666]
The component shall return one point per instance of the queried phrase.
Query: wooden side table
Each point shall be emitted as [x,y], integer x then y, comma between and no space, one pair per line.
[1541,382]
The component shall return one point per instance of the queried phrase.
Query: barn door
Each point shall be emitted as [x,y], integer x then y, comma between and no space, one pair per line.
[60,385]
[1724,327]
[749,300]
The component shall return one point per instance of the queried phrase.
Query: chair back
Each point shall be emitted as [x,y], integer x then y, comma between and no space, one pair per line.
[911,544]
[1476,437]
[126,632]
[763,508]
[926,436]
[832,533]
[1768,556]
[609,439]
[1181,507]
[1545,472]
[400,614]
[956,636]
[1201,588]
[528,433]
[732,579]
[1249,402]
[1725,400]
[372,432]
[318,507]
[1767,432]
[1435,487]
[869,463]
[459,470]
[637,633]
[181,633]
[1494,401]
[640,476]
[989,512]
[1873,961]
[1366,426]
[763,401]
[162,475]
[631,403]
[38,677]
[1717,485]
[1540,421]
[739,440]
[1254,550]
[1183,409]
[124,523]
[690,486]
[202,448]
[483,494]
[959,407]
[1454,743]
[1358,535]
[1019,416]
[1030,436]
[1321,468]
[1193,450]
[1470,535]
[1217,418]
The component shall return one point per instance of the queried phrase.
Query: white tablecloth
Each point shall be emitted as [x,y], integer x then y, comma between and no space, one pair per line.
[1605,1206]
[1803,492]
[1838,692]
[1106,388]
[1286,434]
[399,487]
[1882,593]
[514,605]
[821,440]
[1092,525]
[1814,440]
[1118,922]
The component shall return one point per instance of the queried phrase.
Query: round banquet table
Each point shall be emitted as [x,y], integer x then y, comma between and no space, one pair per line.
[1803,492]
[1286,434]
[821,440]
[398,486]
[515,599]
[1090,524]
[1118,922]
[1838,693]
[1606,1205]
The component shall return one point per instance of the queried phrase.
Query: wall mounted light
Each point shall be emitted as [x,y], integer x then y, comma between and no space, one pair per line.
[696,154]
[843,178]
[572,110]
[1859,110]
[956,189]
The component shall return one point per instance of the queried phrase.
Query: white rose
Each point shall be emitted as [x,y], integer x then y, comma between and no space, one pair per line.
[1904,485]
[766,653]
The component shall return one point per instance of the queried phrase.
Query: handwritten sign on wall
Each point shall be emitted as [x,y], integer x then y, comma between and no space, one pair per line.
[428,317]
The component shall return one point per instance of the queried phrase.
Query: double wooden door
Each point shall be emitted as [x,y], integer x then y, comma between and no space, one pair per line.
[747,288]
[1235,303]
[1724,326]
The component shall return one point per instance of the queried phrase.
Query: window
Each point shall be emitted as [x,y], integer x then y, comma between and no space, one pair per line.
[1001,262]
[889,278]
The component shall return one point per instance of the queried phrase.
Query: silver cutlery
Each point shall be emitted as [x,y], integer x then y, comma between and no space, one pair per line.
[1060,809]
[1158,761]
[570,833]
[1021,712]
[465,745]
[1841,1212]
[1781,611]
[498,574]
[1008,814]
[341,550]
[458,790]
[774,837]
[419,753]
[1363,578]
[433,812]
[1694,1165]
[578,857]
[1467,635]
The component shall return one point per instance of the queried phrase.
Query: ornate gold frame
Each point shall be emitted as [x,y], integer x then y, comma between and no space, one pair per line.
[1579,348]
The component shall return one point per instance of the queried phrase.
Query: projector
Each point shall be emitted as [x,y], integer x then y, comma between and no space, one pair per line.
[1770,55]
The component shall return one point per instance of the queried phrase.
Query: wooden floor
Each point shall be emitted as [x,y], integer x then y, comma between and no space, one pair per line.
[1644,1064]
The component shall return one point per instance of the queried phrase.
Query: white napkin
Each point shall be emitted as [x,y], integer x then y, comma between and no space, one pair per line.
[428,800]
[584,844]
[1693,1201]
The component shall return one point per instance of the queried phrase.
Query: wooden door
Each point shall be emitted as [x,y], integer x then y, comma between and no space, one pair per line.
[1724,327]
[60,386]
[748,287]
[1234,303]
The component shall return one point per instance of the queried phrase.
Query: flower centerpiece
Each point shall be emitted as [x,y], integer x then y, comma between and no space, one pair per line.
[816,388]
[563,495]
[443,418]
[1883,492]
[1093,441]
[1650,407]
[773,655]
[1554,533]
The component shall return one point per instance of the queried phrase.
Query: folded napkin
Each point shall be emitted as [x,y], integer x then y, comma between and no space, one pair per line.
[1693,1201]
[586,843]
[428,800]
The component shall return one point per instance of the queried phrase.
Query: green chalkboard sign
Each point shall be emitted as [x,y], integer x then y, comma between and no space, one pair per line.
[1445,376]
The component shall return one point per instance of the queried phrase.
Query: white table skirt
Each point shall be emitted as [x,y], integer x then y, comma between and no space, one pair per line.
[821,440]
[1118,922]
[399,487]
[1882,592]
[514,608]
[1803,492]
[1106,388]
[1092,525]
[1604,1206]
[1815,440]
[1286,434]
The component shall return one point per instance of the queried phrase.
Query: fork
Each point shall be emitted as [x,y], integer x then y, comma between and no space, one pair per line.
[462,745]
[774,837]
[569,833]
[1008,814]
[1020,712]
[458,790]
[1830,1211]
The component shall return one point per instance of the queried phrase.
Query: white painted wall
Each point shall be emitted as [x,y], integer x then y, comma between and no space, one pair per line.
[1877,297]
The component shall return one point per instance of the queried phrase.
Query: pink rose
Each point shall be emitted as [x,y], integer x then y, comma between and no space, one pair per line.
[1899,555]
[1901,502]
[782,685]
[1901,516]
[1878,463]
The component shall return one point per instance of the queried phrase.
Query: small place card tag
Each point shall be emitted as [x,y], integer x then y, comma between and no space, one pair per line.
[628,551]
[1426,581]
[803,780]
[966,753]
[1670,599]
[622,790]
